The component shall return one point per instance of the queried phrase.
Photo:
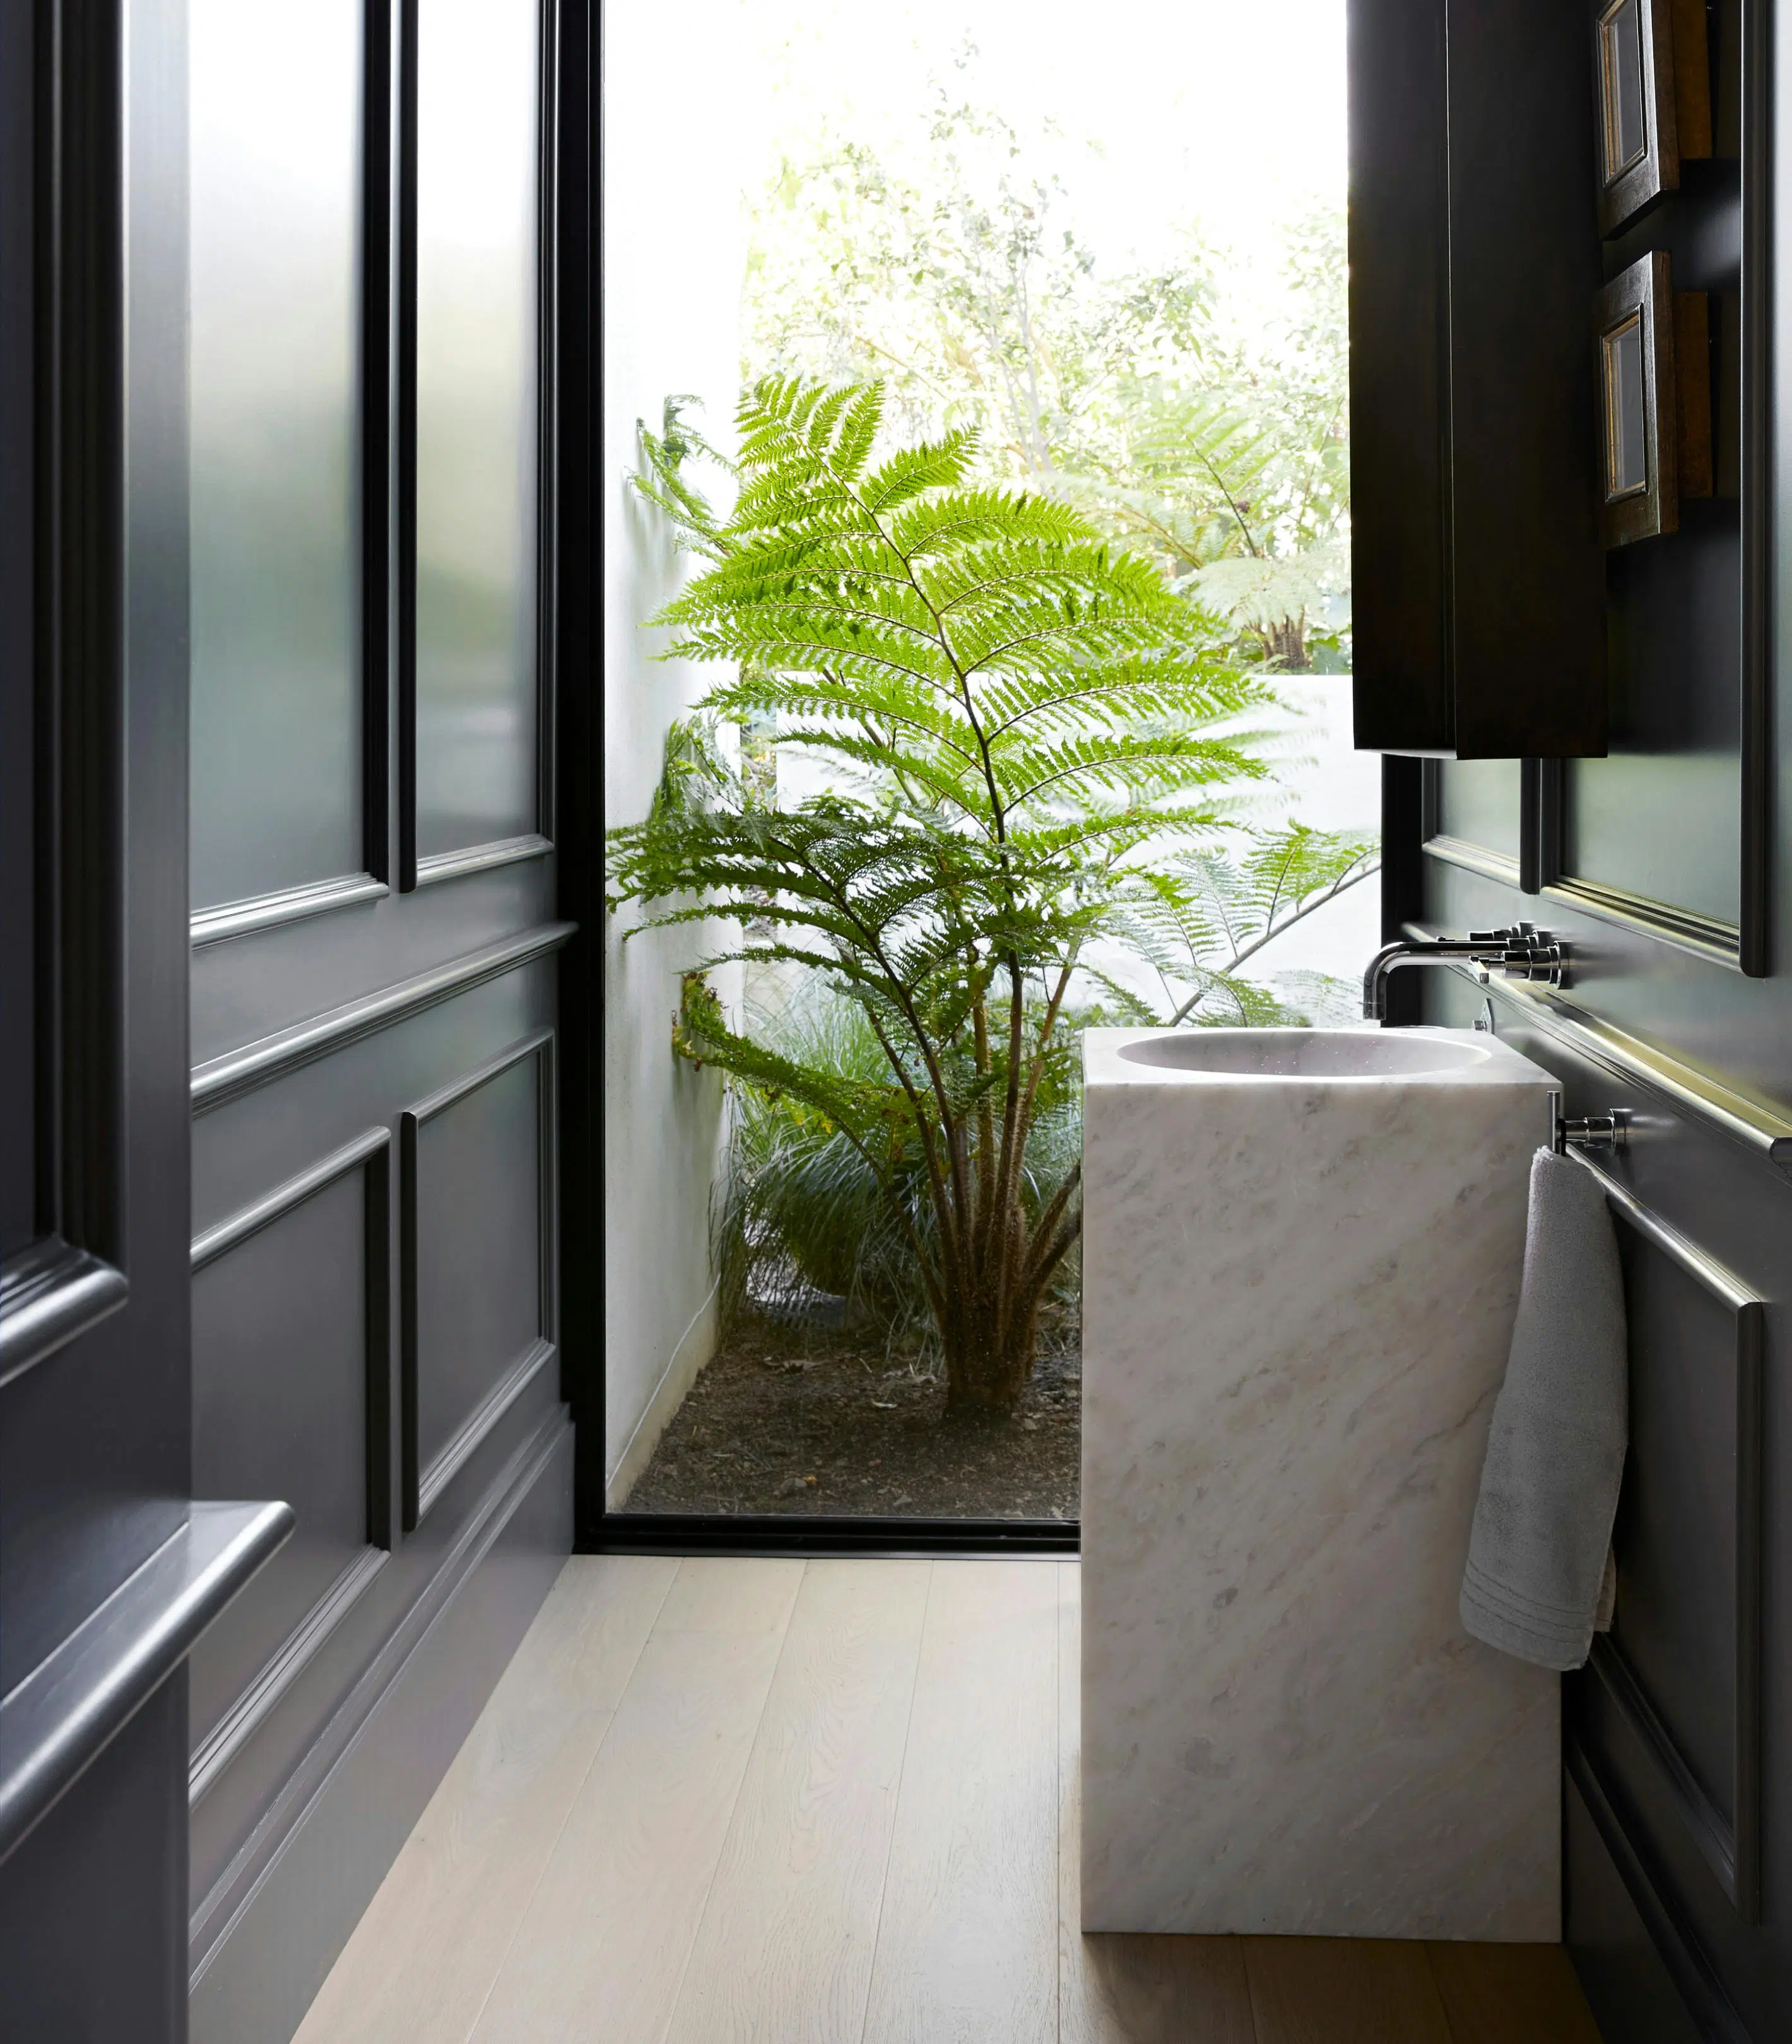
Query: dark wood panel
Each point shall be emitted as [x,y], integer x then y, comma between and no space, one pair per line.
[314,1032]
[251,1805]
[1675,1536]
[1399,374]
[93,1447]
[1477,583]
[1632,1994]
[289,1375]
[1691,1921]
[1479,803]
[1676,608]
[20,713]
[1700,1339]
[275,200]
[108,1853]
[312,1025]
[477,1274]
[1679,814]
[1682,1664]
[95,1435]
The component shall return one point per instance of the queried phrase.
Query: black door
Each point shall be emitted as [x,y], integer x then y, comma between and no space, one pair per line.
[375,935]
[108,1570]
[281,1173]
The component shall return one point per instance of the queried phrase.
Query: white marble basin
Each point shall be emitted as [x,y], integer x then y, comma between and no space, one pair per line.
[1302,1251]
[1316,1054]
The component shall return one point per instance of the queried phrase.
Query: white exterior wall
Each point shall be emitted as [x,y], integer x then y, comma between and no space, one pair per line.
[672,270]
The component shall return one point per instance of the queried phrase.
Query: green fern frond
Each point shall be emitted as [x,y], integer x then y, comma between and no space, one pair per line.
[1035,745]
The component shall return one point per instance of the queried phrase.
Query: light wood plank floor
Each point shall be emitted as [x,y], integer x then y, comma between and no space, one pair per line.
[781,1802]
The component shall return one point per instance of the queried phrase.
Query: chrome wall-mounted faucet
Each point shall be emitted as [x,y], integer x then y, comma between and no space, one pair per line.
[1522,952]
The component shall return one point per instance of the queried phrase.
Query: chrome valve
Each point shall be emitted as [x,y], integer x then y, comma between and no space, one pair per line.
[1523,952]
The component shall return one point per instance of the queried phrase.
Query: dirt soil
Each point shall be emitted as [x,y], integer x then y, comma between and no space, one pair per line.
[804,1419]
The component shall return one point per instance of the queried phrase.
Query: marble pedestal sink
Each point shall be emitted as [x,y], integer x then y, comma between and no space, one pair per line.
[1301,1263]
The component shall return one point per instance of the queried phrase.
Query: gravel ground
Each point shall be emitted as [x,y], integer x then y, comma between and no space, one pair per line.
[803,1419]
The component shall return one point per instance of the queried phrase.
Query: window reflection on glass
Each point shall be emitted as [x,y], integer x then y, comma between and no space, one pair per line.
[1626,450]
[477,150]
[1621,51]
[274,165]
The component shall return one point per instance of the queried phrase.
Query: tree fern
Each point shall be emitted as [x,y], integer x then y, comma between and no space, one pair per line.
[1021,726]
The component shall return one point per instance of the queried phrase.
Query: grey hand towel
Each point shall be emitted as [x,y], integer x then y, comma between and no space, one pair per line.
[1539,1551]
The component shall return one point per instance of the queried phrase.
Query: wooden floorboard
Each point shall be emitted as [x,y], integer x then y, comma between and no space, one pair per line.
[774,1802]
[601,1953]
[1119,1988]
[423,1959]
[784,1950]
[967,1939]
[1511,1994]
[1343,1991]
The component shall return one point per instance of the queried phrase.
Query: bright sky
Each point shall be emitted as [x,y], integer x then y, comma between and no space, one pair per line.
[1231,113]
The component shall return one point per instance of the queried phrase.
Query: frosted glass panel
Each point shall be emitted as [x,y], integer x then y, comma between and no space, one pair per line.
[476,429]
[275,170]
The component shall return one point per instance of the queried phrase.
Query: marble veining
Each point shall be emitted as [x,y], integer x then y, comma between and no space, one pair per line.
[1298,1295]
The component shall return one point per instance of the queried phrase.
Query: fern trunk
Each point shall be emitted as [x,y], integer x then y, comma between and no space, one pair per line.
[987,1302]
[990,1333]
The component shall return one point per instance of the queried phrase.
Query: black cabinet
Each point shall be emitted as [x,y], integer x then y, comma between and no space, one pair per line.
[1479,578]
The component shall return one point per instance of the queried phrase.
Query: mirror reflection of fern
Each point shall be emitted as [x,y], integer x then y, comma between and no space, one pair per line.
[1023,731]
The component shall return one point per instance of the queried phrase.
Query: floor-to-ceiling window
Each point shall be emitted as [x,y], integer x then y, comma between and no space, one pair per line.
[977,587]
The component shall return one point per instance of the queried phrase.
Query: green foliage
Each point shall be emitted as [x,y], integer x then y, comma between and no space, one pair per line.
[800,1209]
[962,284]
[1220,455]
[1204,915]
[1014,715]
[1236,475]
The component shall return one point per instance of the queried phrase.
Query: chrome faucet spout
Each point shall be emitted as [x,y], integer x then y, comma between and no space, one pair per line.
[1523,952]
[1414,951]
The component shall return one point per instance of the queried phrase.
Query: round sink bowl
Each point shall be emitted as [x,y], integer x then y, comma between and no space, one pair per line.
[1304,1053]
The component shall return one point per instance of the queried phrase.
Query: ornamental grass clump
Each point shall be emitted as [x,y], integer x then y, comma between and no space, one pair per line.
[1023,727]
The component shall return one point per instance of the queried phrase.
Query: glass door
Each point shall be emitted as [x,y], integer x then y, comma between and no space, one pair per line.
[976,672]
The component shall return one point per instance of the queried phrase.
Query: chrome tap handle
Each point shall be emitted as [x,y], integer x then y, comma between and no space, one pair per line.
[1593,1131]
[1523,952]
[1535,956]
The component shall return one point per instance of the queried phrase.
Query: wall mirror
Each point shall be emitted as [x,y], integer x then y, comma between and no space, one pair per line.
[1652,59]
